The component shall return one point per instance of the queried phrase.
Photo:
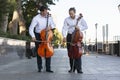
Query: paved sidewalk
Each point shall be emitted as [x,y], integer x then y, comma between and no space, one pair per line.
[95,67]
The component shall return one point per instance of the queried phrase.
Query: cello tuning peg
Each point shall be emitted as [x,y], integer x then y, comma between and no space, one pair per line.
[81,15]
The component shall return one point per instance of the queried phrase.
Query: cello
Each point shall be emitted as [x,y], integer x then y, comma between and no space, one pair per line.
[75,50]
[45,48]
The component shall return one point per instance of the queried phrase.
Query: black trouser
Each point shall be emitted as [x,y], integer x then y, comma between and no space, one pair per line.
[39,59]
[74,63]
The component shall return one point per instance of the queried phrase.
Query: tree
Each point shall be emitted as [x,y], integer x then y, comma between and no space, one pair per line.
[17,22]
[19,13]
[22,12]
[30,9]
[4,12]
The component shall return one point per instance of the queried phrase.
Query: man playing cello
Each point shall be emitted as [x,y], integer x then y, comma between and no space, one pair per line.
[67,31]
[39,23]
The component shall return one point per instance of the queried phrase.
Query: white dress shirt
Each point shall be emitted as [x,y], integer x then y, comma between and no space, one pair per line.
[39,23]
[69,25]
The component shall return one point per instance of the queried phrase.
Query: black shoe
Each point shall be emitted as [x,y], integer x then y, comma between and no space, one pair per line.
[39,70]
[70,71]
[79,72]
[49,71]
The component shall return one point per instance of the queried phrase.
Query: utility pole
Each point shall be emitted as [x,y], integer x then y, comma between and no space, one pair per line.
[103,49]
[96,36]
[119,7]
[107,45]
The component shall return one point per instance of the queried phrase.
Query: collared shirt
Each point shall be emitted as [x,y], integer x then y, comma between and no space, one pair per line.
[69,25]
[39,23]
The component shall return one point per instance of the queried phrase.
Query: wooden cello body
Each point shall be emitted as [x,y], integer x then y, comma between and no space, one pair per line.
[45,48]
[75,50]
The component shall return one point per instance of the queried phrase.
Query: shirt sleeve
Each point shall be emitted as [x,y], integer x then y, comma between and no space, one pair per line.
[82,25]
[52,24]
[32,26]
[65,28]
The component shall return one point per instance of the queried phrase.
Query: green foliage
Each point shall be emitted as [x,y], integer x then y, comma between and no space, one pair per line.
[12,6]
[57,39]
[6,6]
[3,8]
[45,2]
[29,11]
[30,8]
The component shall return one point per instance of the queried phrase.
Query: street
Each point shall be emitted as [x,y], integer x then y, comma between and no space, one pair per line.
[95,67]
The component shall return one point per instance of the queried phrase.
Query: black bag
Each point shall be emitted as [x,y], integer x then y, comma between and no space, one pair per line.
[30,52]
[33,52]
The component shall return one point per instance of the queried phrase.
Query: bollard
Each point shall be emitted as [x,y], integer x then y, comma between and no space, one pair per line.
[118,48]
